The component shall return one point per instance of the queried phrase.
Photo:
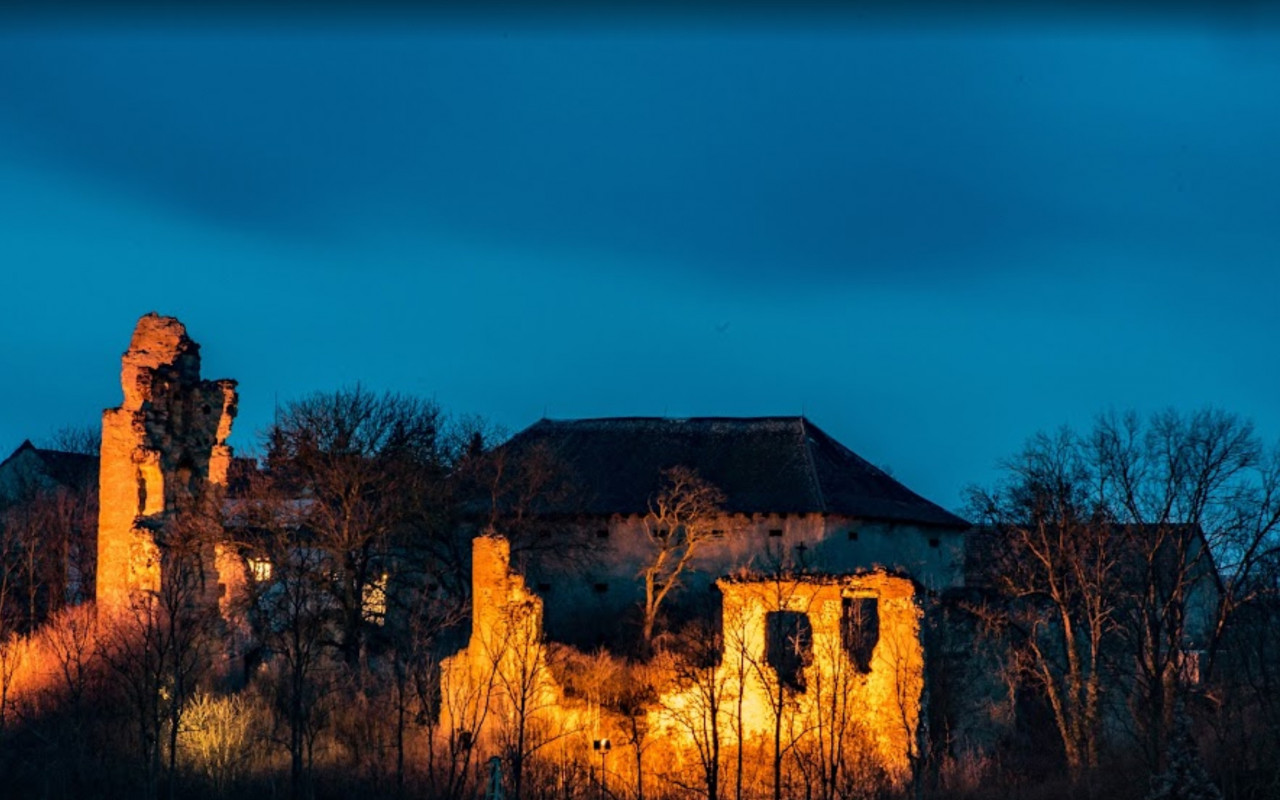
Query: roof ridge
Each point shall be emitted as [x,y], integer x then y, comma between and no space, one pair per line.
[813,466]
[52,451]
[647,418]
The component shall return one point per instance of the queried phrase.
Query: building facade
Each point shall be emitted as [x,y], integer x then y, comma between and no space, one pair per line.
[794,500]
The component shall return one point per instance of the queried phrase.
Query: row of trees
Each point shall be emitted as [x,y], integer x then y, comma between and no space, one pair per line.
[1097,553]
[355,523]
[1128,565]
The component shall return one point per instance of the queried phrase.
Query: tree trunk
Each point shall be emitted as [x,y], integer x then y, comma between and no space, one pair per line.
[777,745]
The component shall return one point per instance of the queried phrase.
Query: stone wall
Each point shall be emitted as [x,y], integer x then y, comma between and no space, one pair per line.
[873,696]
[860,667]
[161,449]
[501,680]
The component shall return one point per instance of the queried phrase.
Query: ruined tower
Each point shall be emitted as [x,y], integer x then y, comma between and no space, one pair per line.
[160,450]
[502,673]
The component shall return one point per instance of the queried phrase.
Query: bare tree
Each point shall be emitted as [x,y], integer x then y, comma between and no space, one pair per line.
[412,663]
[290,608]
[1140,538]
[781,669]
[72,639]
[707,689]
[12,655]
[683,516]
[160,647]
[511,488]
[833,703]
[13,549]
[525,691]
[46,544]
[467,699]
[1246,699]
[82,439]
[367,466]
[738,669]
[1051,552]
[1198,499]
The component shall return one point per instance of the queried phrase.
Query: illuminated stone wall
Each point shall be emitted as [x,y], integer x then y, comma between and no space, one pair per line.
[501,680]
[877,700]
[860,669]
[160,449]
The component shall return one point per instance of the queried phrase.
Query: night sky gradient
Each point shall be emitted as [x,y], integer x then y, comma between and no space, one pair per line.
[932,239]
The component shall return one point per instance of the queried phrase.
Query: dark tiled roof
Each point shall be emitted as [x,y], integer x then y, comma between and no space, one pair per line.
[762,464]
[73,470]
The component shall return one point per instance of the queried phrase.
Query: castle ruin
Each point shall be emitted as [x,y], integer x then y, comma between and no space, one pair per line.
[801,657]
[161,450]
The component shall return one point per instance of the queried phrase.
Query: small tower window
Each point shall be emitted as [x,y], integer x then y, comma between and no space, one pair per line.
[601,588]
[775,533]
[934,541]
[853,536]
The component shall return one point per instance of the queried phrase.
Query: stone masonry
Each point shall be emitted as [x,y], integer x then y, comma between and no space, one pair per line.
[161,449]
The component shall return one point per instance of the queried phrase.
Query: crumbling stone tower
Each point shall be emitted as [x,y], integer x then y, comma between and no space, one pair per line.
[503,671]
[161,449]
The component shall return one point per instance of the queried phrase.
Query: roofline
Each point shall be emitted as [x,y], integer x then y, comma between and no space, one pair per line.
[806,425]
[26,445]
[958,522]
[720,418]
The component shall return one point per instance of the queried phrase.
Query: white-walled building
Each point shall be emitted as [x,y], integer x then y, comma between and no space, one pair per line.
[794,498]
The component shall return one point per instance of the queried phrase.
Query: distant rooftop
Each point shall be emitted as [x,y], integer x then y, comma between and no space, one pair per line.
[762,464]
[73,470]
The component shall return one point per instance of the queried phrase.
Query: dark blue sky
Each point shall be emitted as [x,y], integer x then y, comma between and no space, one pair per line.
[932,239]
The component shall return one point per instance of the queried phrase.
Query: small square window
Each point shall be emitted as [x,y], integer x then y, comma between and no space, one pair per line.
[775,533]
[717,533]
[260,569]
[934,542]
[853,536]
[544,587]
[603,533]
[601,588]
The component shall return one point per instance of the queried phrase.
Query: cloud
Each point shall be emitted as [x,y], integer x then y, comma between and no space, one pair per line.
[789,157]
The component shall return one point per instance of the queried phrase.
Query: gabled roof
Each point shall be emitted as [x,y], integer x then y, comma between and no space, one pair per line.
[73,470]
[762,464]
